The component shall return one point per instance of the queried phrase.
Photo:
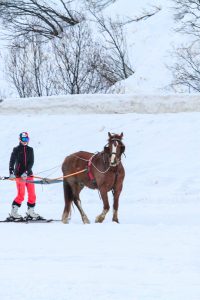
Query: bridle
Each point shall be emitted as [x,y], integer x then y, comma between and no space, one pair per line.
[114,161]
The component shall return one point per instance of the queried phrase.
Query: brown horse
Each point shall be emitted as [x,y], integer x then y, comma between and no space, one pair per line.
[103,171]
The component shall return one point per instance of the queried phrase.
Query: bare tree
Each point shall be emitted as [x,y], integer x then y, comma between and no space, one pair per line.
[81,64]
[29,68]
[186,70]
[17,70]
[98,5]
[145,15]
[76,58]
[75,62]
[117,65]
[25,17]
[114,63]
[187,14]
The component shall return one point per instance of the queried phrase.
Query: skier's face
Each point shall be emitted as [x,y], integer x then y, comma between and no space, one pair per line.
[23,143]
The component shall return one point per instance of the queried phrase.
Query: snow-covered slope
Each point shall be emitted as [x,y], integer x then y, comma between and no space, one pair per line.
[149,41]
[150,44]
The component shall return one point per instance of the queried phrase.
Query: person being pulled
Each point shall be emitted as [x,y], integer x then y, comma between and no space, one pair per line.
[20,168]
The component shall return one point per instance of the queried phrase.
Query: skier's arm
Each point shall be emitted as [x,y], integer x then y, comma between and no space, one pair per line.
[12,161]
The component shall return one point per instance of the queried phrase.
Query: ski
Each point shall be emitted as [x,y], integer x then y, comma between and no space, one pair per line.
[28,221]
[39,221]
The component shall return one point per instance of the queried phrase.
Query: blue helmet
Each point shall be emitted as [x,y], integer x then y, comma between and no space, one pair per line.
[24,137]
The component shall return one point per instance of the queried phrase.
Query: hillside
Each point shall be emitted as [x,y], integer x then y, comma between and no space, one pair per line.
[149,41]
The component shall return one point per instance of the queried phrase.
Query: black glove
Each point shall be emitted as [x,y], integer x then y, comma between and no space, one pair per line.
[12,176]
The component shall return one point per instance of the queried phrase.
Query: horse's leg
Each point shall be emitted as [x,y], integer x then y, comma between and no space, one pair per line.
[115,206]
[85,219]
[68,195]
[104,195]
[116,193]
[76,192]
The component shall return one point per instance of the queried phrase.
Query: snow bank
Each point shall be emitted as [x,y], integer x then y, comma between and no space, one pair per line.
[101,104]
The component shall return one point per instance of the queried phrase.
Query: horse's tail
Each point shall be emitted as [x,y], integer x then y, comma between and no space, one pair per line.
[68,195]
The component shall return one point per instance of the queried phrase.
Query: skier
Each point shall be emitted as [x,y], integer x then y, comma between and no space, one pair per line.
[20,168]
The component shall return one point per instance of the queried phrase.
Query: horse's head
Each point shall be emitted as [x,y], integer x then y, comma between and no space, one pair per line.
[114,148]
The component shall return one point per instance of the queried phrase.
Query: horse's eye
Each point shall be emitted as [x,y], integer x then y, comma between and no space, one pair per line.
[106,149]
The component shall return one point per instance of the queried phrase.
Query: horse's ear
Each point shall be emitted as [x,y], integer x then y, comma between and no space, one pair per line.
[121,135]
[109,134]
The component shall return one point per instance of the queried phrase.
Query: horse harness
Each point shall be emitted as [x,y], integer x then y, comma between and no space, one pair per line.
[90,175]
[90,164]
[89,170]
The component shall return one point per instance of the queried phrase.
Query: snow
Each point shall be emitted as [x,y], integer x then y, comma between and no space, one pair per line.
[150,46]
[152,254]
[100,104]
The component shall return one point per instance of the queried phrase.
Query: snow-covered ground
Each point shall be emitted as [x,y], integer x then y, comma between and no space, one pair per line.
[152,254]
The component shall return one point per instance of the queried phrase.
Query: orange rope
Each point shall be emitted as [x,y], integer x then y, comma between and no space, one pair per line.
[52,179]
[66,176]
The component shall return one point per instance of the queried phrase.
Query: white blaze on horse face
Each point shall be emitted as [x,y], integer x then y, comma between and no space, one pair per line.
[114,152]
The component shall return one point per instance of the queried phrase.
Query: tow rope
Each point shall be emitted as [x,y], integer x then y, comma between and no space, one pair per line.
[42,180]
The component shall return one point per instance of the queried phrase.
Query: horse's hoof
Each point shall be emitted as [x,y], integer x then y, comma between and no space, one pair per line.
[115,220]
[86,221]
[65,221]
[99,220]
